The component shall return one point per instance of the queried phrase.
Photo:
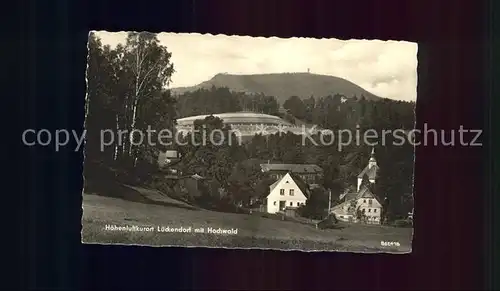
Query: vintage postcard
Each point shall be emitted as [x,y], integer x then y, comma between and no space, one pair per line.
[219,141]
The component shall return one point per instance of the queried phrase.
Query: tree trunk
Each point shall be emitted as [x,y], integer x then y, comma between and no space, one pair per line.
[132,127]
[115,154]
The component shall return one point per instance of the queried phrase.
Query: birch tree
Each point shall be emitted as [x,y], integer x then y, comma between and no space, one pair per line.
[148,71]
[126,90]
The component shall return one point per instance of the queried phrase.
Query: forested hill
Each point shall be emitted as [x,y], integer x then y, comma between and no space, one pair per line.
[329,111]
[283,85]
[120,97]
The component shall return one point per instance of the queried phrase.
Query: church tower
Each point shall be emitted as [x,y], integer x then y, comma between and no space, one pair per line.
[373,161]
[370,170]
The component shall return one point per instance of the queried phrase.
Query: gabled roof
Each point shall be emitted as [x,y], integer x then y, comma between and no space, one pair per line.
[349,190]
[273,185]
[303,186]
[370,172]
[294,168]
[365,192]
[350,196]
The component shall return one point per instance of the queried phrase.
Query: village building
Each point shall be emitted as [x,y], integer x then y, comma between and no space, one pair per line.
[361,205]
[369,171]
[168,157]
[310,173]
[287,193]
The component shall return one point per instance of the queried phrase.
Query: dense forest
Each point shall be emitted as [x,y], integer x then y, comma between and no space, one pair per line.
[126,91]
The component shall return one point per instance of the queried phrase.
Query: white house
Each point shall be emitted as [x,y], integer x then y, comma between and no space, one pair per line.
[370,170]
[287,192]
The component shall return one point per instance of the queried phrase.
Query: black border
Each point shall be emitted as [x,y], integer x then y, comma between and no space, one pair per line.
[449,182]
[492,237]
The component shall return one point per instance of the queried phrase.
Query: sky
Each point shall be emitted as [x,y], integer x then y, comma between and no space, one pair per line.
[385,68]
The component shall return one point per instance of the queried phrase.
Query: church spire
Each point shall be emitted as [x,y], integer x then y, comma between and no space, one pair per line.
[373,161]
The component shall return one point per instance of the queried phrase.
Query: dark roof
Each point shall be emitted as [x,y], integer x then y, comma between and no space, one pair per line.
[365,192]
[294,168]
[273,185]
[370,172]
[303,186]
[348,193]
[350,196]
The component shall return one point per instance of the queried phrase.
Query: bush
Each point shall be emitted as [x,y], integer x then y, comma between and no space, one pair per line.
[402,223]
[329,222]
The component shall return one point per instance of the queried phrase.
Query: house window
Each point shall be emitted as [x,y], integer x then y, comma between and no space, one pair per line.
[342,216]
[375,210]
[291,203]
[370,201]
[291,192]
[364,200]
[282,191]
[369,210]
[274,203]
[298,203]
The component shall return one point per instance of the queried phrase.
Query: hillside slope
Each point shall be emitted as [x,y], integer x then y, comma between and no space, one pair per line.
[253,230]
[284,85]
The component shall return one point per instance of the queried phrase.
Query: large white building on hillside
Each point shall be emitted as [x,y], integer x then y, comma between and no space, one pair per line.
[246,123]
